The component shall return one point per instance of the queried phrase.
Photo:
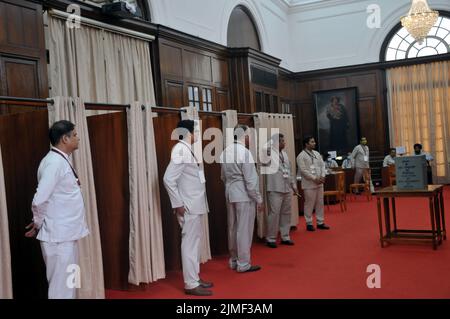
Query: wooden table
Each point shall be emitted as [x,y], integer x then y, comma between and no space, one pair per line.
[434,193]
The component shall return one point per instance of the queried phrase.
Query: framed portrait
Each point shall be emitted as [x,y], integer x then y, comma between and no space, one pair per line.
[337,120]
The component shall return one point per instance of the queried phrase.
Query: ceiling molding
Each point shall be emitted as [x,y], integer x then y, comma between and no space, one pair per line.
[295,6]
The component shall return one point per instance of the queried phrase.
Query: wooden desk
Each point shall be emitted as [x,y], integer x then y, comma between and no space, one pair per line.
[434,193]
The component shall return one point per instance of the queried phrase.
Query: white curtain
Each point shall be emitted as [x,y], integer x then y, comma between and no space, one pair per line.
[229,120]
[90,252]
[419,112]
[191,113]
[98,65]
[282,122]
[146,251]
[5,253]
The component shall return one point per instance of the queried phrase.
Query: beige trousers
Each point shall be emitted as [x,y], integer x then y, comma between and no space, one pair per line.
[241,222]
[314,200]
[279,216]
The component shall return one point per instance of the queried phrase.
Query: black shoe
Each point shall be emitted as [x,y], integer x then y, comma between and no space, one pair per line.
[205,284]
[323,226]
[252,268]
[310,228]
[287,242]
[271,244]
[198,291]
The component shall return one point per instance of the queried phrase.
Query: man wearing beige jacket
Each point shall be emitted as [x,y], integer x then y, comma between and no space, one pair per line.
[280,185]
[184,180]
[312,171]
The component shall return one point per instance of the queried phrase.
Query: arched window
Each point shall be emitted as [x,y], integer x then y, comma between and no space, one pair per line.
[403,46]
[242,31]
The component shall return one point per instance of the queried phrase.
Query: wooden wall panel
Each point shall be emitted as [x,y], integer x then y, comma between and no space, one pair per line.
[197,66]
[23,62]
[24,142]
[174,94]
[216,195]
[220,72]
[171,60]
[223,100]
[109,148]
[163,125]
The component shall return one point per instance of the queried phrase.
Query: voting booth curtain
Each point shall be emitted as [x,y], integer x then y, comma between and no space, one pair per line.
[146,251]
[5,254]
[419,112]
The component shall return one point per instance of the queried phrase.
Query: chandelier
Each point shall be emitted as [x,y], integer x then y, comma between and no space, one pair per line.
[420,20]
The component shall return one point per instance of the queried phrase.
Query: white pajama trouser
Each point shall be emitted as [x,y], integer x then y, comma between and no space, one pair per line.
[314,200]
[58,257]
[279,216]
[241,222]
[191,236]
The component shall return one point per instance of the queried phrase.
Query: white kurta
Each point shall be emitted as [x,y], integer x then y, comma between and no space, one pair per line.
[58,212]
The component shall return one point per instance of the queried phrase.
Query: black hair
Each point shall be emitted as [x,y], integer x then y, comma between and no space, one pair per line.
[58,130]
[393,149]
[277,137]
[307,139]
[418,145]
[239,131]
[185,126]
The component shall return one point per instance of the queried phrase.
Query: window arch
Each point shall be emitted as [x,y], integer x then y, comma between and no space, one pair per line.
[242,30]
[401,45]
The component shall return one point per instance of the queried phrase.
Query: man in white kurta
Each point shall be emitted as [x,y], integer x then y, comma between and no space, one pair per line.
[184,180]
[312,170]
[389,160]
[280,185]
[242,197]
[59,213]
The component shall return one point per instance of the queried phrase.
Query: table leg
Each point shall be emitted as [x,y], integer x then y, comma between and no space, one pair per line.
[442,212]
[394,213]
[433,229]
[387,217]
[380,222]
[437,217]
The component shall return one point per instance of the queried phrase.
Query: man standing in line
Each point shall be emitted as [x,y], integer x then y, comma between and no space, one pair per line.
[312,170]
[360,158]
[185,181]
[280,185]
[58,210]
[242,195]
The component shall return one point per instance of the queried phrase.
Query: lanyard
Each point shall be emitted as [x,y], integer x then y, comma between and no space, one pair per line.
[73,170]
[311,155]
[364,149]
[196,161]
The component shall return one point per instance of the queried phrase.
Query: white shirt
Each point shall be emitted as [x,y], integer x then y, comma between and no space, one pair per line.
[58,206]
[428,156]
[347,163]
[360,156]
[388,160]
[184,180]
[239,174]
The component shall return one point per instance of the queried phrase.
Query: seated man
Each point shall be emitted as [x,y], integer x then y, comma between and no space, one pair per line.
[331,163]
[418,152]
[347,163]
[389,160]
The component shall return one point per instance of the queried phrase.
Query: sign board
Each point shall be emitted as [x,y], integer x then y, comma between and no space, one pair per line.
[411,172]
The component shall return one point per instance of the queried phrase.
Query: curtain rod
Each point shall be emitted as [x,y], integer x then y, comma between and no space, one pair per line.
[90,105]
[101,25]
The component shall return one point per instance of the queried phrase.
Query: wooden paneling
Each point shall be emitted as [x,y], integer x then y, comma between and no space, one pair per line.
[197,66]
[174,96]
[222,100]
[182,65]
[216,194]
[171,60]
[109,148]
[163,125]
[23,65]
[220,72]
[24,142]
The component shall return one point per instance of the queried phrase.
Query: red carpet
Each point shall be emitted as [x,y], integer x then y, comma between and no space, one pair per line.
[331,264]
